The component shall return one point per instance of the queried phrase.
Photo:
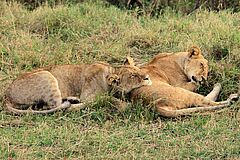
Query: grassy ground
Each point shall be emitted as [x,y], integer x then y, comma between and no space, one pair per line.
[90,32]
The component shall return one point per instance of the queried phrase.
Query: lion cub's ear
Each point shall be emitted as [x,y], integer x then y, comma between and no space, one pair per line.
[129,61]
[113,79]
[194,52]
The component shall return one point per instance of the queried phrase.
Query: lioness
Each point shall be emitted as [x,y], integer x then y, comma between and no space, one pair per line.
[174,78]
[59,86]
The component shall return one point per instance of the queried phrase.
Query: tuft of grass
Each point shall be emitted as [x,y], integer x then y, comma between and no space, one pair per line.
[89,32]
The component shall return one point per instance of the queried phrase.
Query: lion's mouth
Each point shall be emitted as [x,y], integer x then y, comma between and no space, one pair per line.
[196,80]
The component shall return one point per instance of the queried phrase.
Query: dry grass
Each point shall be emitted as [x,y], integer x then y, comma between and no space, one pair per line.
[93,31]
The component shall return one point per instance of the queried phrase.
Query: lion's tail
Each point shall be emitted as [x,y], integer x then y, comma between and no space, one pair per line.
[10,107]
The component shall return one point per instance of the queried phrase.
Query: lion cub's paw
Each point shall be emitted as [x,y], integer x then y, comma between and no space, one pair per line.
[72,100]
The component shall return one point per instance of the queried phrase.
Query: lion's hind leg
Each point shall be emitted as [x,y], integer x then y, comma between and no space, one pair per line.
[172,112]
[32,88]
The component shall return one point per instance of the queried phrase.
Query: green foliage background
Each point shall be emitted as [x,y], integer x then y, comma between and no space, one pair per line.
[95,30]
[156,6]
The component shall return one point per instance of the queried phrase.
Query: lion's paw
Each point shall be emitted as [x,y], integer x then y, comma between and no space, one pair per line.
[233,97]
[72,100]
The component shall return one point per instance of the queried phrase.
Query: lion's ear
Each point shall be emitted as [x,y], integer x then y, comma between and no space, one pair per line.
[194,52]
[113,79]
[129,61]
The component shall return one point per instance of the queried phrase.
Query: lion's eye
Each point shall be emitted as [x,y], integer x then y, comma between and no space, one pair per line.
[202,65]
[133,75]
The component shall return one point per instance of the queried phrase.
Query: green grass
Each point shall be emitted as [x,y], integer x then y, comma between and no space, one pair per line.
[89,32]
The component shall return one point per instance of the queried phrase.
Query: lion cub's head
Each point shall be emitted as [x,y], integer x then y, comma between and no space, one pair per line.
[128,77]
[195,65]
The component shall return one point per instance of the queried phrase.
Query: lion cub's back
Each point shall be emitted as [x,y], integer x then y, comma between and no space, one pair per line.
[74,79]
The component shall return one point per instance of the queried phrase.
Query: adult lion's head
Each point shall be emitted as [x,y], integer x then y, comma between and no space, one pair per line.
[195,65]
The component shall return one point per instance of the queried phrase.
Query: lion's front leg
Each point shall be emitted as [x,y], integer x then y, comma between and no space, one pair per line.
[192,86]
[215,92]
[119,104]
[78,104]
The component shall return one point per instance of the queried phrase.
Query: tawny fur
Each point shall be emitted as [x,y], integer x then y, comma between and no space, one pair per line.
[174,78]
[72,83]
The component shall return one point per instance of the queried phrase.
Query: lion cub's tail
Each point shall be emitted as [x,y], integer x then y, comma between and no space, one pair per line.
[10,107]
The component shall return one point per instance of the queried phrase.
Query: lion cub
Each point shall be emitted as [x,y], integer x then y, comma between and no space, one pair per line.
[71,86]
